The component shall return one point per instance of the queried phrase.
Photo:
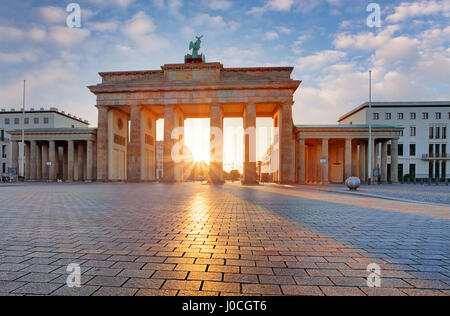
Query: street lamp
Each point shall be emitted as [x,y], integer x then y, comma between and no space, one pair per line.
[22,173]
[370,129]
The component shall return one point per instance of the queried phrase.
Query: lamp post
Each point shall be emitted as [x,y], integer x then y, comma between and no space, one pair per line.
[23,133]
[370,130]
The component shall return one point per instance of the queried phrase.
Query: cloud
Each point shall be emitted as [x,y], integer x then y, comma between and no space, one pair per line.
[271,36]
[19,57]
[408,10]
[218,4]
[65,36]
[110,26]
[319,60]
[119,3]
[284,30]
[365,41]
[404,68]
[140,24]
[216,22]
[285,6]
[140,29]
[172,6]
[54,15]
[10,33]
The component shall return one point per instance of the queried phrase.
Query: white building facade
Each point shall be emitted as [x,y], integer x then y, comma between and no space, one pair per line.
[423,147]
[14,119]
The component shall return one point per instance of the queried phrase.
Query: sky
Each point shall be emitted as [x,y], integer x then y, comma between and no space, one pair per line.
[328,42]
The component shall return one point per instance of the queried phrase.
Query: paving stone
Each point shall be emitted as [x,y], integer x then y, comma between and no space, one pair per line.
[221,287]
[141,274]
[115,291]
[147,292]
[182,285]
[264,289]
[166,275]
[143,283]
[293,238]
[9,286]
[37,277]
[108,281]
[205,276]
[296,290]
[37,288]
[341,291]
[84,290]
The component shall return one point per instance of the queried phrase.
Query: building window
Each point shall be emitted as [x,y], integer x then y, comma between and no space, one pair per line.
[388,116]
[27,121]
[45,120]
[444,132]
[6,121]
[16,121]
[36,120]
[400,116]
[389,149]
[400,149]
[425,116]
[438,132]
[412,131]
[438,115]
[413,116]
[431,132]
[412,150]
[376,116]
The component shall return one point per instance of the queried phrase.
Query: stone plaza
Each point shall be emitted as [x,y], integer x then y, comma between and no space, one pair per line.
[192,239]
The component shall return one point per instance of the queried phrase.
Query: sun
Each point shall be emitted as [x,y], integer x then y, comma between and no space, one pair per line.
[197,139]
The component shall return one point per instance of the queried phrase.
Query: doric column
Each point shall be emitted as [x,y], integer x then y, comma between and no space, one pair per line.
[325,178]
[102,144]
[286,141]
[27,160]
[362,162]
[394,161]
[216,144]
[80,161]
[135,146]
[348,158]
[45,159]
[302,162]
[15,157]
[384,161]
[39,162]
[169,125]
[250,176]
[89,160]
[65,162]
[52,155]
[70,160]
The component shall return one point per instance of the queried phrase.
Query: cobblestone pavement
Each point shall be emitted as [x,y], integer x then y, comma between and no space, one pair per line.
[191,239]
[416,192]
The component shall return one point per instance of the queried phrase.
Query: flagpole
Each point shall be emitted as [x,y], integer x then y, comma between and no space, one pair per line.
[23,133]
[370,129]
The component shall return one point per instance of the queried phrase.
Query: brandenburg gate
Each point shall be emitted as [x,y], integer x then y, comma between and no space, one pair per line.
[130,102]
